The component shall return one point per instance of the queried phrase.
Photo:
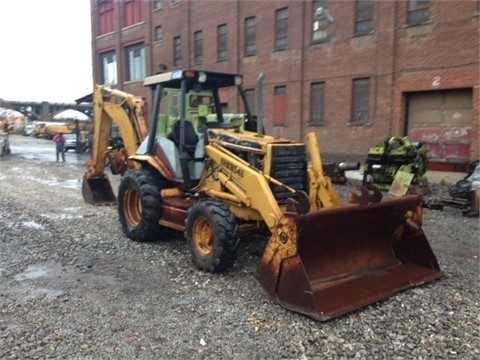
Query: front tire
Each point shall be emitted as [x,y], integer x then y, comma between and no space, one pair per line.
[211,233]
[140,205]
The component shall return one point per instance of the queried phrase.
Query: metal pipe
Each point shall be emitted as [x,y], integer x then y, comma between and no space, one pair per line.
[260,79]
[152,130]
[348,166]
[183,105]
[241,147]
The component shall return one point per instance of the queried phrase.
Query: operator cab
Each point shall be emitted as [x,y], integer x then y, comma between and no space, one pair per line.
[185,104]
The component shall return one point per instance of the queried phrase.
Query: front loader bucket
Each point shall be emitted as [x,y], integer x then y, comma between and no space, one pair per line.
[98,191]
[332,261]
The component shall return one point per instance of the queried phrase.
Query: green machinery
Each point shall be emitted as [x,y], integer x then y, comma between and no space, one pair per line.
[392,155]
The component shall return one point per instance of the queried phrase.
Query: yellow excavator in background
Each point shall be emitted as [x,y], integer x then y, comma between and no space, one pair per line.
[218,182]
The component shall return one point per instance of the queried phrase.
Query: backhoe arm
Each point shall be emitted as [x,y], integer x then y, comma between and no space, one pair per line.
[126,110]
[111,106]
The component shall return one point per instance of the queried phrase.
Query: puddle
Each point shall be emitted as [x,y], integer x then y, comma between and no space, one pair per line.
[49,293]
[52,272]
[61,216]
[33,225]
[68,214]
[32,272]
[45,152]
[69,184]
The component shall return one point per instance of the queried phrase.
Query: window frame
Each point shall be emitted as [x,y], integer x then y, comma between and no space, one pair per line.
[198,47]
[105,71]
[105,17]
[319,34]
[318,3]
[281,29]
[364,14]
[280,105]
[158,33]
[250,36]
[250,97]
[360,101]
[157,5]
[133,12]
[177,51]
[222,44]
[134,72]
[317,103]
[418,11]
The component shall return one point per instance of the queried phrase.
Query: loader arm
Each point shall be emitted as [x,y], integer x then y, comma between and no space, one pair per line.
[322,192]
[246,186]
[125,110]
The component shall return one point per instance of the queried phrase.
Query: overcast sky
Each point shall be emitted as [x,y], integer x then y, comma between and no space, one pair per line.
[45,51]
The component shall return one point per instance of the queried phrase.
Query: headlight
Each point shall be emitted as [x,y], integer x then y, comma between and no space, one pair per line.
[202,77]
[177,74]
[238,80]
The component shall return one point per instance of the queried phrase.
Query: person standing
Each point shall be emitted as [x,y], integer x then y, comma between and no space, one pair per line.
[59,141]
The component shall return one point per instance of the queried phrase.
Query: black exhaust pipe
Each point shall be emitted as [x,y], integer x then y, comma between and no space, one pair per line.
[260,127]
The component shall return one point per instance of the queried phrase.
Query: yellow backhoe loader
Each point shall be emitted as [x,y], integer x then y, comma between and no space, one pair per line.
[217,183]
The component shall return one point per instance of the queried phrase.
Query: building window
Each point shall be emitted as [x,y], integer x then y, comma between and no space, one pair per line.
[360,101]
[222,42]
[135,62]
[418,11]
[105,17]
[250,35]
[317,103]
[198,47]
[108,64]
[158,36]
[318,4]
[320,24]
[281,29]
[280,105]
[157,4]
[250,97]
[175,2]
[132,12]
[177,51]
[364,16]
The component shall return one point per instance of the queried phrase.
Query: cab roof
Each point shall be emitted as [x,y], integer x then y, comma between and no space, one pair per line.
[208,79]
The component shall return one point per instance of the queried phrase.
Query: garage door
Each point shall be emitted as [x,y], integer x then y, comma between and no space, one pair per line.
[442,120]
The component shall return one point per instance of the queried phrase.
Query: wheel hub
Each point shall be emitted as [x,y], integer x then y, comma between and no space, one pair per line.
[133,207]
[203,236]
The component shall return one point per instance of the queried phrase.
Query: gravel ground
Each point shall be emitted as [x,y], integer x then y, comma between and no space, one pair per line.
[74,287]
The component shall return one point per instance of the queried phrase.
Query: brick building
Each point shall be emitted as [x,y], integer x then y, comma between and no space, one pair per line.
[355,72]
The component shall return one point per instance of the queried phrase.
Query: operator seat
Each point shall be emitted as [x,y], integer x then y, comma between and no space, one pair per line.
[192,163]
[191,137]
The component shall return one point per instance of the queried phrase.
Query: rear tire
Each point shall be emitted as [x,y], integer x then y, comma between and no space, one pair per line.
[140,205]
[211,233]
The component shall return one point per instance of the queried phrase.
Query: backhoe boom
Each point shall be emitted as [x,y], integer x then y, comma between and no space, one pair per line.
[126,111]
